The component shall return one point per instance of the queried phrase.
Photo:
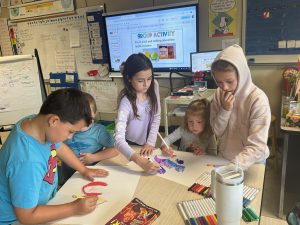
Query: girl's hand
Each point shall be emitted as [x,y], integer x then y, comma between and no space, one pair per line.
[147,165]
[167,151]
[146,150]
[195,149]
[198,151]
[87,158]
[85,205]
[227,100]
[91,173]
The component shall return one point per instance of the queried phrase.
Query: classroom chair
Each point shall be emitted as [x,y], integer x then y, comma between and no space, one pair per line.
[274,146]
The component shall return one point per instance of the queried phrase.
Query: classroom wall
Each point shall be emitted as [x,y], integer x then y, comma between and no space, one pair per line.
[267,77]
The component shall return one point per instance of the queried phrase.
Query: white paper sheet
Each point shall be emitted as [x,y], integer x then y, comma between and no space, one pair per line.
[121,186]
[194,166]
[65,60]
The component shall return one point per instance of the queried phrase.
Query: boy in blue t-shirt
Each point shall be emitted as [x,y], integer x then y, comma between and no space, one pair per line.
[28,160]
[92,144]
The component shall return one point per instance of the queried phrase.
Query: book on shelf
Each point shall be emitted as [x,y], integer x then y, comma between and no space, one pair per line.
[135,212]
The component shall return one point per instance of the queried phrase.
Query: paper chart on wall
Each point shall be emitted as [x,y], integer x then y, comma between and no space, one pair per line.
[119,191]
[18,74]
[53,34]
[194,166]
[105,94]
[4,38]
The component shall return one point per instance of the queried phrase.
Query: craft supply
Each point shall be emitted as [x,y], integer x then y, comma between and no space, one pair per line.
[204,180]
[199,212]
[163,140]
[201,185]
[185,218]
[99,200]
[203,211]
[161,169]
[249,215]
[91,184]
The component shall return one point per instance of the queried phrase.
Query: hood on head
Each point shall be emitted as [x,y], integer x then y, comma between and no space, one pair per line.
[234,54]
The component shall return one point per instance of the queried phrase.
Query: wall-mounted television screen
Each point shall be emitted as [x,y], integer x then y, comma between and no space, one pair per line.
[201,61]
[167,36]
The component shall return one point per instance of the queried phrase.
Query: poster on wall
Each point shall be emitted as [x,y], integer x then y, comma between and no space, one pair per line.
[64,44]
[222,18]
[40,9]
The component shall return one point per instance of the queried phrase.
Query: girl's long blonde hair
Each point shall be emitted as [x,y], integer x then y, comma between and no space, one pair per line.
[201,108]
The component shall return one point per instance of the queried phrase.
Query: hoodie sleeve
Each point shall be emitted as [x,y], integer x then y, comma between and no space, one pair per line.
[121,124]
[219,117]
[154,126]
[256,149]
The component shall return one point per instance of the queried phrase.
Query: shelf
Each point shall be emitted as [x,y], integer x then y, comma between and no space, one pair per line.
[178,111]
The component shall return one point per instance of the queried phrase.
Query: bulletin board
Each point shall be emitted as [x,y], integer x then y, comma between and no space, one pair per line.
[21,92]
[65,44]
[272,28]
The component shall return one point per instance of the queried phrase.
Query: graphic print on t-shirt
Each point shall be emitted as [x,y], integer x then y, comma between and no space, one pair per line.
[52,163]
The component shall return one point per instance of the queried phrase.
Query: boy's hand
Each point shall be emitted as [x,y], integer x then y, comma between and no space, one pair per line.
[167,151]
[87,158]
[85,205]
[146,150]
[227,100]
[91,173]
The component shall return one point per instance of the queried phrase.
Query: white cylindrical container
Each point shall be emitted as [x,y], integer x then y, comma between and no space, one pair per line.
[227,187]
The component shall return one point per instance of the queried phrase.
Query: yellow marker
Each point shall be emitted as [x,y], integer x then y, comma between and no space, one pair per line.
[99,201]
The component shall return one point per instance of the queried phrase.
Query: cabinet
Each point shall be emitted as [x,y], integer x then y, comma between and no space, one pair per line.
[182,102]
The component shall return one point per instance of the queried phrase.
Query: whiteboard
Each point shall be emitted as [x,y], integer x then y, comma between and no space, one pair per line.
[68,43]
[20,89]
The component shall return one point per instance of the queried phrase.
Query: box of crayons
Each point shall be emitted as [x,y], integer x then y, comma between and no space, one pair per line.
[202,211]
[202,187]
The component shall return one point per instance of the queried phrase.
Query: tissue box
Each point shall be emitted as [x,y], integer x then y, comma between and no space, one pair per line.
[292,119]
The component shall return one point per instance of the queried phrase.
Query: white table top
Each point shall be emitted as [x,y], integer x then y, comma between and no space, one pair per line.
[163,193]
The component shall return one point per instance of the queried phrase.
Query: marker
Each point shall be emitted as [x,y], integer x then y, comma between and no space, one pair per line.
[160,167]
[163,140]
[185,218]
[99,200]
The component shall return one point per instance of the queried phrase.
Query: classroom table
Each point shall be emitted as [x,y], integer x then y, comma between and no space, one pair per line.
[163,194]
[289,188]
